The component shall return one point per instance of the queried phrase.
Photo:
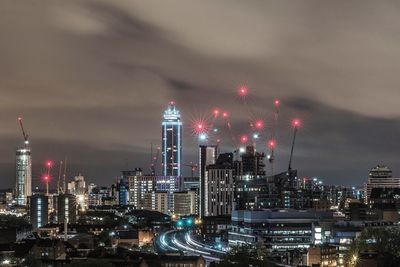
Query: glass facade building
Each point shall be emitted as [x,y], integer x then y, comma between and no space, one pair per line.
[23,176]
[171,141]
[39,205]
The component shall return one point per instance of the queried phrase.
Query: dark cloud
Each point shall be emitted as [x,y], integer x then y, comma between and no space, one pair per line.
[92,78]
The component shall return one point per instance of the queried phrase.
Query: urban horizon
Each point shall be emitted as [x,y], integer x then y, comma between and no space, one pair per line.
[191,140]
[199,133]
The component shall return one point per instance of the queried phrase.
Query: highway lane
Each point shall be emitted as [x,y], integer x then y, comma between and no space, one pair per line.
[175,241]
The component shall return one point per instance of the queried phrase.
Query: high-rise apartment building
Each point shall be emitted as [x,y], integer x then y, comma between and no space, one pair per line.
[123,192]
[380,177]
[141,188]
[207,156]
[65,206]
[139,185]
[38,211]
[171,141]
[219,186]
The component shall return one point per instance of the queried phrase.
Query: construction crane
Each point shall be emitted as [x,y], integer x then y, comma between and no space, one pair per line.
[272,142]
[64,189]
[25,135]
[154,159]
[49,165]
[296,124]
[193,167]
[59,189]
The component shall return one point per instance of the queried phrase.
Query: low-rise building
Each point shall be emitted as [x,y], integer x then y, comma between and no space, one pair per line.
[323,255]
[125,238]
[277,230]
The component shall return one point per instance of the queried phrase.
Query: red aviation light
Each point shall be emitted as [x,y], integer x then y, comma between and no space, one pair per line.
[216,112]
[259,124]
[271,144]
[243,91]
[244,139]
[296,123]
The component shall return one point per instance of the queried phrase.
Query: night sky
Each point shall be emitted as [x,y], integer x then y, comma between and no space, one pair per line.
[92,78]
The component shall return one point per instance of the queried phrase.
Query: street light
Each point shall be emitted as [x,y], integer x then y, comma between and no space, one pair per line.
[180,223]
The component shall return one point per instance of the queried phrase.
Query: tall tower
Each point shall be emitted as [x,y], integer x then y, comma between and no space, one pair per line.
[171,141]
[23,170]
[23,166]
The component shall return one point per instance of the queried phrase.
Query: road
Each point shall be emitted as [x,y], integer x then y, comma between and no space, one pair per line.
[175,241]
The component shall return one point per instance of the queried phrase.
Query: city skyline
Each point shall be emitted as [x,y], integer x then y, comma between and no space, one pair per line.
[93,86]
[199,133]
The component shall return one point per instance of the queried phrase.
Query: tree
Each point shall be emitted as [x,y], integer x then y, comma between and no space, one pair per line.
[385,241]
[30,261]
[13,220]
[244,256]
[91,263]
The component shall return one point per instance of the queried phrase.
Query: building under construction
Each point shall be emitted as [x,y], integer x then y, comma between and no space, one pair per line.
[23,170]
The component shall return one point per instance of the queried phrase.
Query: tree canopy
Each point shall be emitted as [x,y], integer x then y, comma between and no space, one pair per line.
[384,241]
[244,256]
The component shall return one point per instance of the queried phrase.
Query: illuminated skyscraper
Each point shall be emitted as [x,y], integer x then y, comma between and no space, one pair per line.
[171,141]
[23,170]
[23,175]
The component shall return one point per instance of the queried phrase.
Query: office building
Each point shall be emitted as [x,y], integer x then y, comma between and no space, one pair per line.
[39,210]
[278,230]
[184,203]
[380,177]
[123,192]
[170,184]
[207,156]
[219,187]
[171,141]
[155,200]
[23,175]
[100,196]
